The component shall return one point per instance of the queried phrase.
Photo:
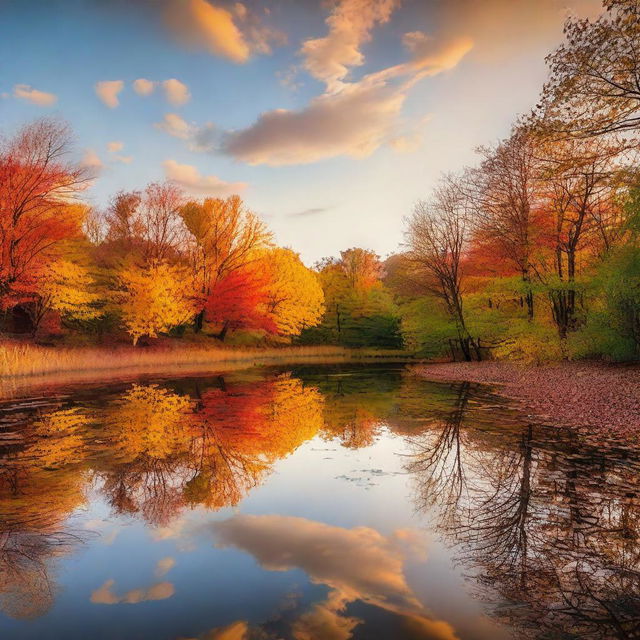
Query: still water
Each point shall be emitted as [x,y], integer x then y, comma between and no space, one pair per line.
[323,503]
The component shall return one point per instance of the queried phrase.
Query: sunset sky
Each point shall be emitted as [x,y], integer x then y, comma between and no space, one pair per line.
[330,118]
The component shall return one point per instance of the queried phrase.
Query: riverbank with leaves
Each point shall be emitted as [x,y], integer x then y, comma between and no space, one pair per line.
[602,397]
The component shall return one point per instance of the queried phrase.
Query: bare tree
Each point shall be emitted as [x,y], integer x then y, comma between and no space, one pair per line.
[436,237]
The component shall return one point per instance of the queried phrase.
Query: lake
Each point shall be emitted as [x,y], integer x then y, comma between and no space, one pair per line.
[331,503]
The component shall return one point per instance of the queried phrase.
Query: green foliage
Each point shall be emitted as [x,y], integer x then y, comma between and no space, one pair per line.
[426,327]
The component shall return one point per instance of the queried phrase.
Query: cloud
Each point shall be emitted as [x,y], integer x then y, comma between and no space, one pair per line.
[433,56]
[41,98]
[176,92]
[353,122]
[115,146]
[143,87]
[124,159]
[164,565]
[328,59]
[201,138]
[308,212]
[105,595]
[108,90]
[356,564]
[91,160]
[189,178]
[201,25]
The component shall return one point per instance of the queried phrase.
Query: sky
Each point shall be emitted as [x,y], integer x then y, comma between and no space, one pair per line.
[331,118]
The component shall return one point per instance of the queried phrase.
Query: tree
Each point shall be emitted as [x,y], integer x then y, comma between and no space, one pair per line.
[155,298]
[436,236]
[239,301]
[65,287]
[39,187]
[504,193]
[226,235]
[361,267]
[578,181]
[593,87]
[294,296]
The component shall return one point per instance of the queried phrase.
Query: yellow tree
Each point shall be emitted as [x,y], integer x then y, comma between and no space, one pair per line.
[295,298]
[65,287]
[155,299]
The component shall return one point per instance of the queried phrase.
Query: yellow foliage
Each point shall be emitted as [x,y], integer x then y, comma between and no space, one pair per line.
[155,299]
[66,288]
[151,421]
[295,296]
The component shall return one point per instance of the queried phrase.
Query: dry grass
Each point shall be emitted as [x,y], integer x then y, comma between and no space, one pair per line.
[25,363]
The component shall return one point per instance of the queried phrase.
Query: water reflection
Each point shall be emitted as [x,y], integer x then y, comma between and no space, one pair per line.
[542,522]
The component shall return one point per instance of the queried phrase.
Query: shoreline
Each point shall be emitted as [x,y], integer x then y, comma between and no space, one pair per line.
[26,366]
[592,395]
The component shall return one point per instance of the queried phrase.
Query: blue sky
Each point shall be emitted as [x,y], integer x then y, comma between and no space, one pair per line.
[330,118]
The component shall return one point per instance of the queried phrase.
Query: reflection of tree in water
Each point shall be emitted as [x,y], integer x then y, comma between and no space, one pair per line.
[173,451]
[40,484]
[542,517]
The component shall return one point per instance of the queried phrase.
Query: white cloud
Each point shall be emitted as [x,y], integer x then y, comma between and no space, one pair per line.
[115,146]
[108,90]
[143,87]
[176,92]
[41,98]
[192,181]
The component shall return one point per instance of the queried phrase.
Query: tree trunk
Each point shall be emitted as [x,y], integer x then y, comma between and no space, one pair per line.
[198,322]
[223,332]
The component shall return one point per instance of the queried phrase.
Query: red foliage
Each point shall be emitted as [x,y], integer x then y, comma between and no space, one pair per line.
[239,300]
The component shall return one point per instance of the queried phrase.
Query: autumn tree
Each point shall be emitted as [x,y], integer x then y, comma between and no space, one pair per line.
[593,87]
[67,288]
[155,298]
[503,192]
[239,301]
[226,236]
[39,188]
[437,235]
[294,296]
[578,179]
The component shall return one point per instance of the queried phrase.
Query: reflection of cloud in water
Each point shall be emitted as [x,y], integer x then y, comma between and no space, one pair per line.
[164,565]
[357,564]
[158,591]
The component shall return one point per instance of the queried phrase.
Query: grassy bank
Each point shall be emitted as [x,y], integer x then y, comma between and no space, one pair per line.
[26,364]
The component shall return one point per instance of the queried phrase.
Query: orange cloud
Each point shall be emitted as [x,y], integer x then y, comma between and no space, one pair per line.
[115,146]
[354,122]
[108,90]
[350,24]
[105,595]
[199,24]
[198,138]
[190,179]
[357,564]
[41,98]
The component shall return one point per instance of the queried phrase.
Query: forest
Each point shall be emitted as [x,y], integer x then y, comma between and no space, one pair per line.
[532,253]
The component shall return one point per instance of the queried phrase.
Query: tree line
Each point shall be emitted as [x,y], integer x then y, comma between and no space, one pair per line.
[531,253]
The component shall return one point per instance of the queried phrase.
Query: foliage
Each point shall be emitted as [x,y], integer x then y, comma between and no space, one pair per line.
[154,299]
